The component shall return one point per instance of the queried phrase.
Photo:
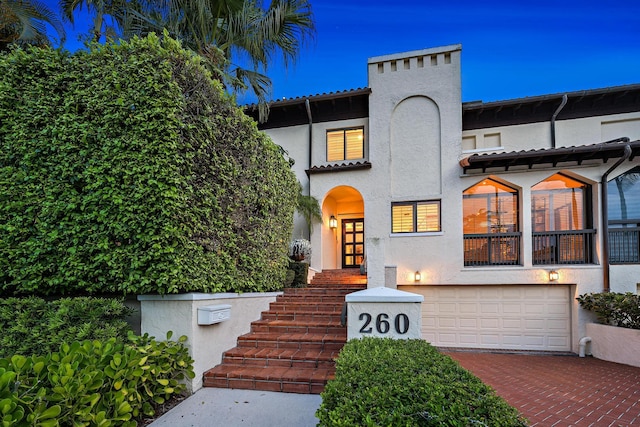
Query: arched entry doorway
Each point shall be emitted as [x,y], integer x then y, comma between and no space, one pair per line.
[344,245]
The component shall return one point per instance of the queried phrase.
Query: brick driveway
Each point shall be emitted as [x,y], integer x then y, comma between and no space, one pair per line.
[560,391]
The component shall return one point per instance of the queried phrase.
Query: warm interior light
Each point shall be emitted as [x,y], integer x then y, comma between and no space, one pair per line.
[333,222]
[553,276]
[417,276]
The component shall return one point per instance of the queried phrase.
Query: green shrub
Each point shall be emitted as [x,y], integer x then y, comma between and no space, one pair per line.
[36,326]
[101,383]
[613,308]
[300,273]
[384,382]
[126,169]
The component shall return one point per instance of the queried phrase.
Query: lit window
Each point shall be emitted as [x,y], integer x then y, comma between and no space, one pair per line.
[415,217]
[561,222]
[345,144]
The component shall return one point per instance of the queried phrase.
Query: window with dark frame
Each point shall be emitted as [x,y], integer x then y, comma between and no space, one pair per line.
[345,144]
[490,224]
[416,217]
[561,221]
[623,202]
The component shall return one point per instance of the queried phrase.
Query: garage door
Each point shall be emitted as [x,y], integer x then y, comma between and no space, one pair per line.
[497,317]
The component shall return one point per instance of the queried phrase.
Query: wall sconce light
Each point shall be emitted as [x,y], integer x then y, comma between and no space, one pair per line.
[417,276]
[333,222]
[553,276]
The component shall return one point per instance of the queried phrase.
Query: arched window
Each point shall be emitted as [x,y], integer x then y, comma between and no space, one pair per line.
[623,206]
[490,224]
[561,221]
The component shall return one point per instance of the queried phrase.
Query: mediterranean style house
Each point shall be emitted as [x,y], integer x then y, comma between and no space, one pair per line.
[500,214]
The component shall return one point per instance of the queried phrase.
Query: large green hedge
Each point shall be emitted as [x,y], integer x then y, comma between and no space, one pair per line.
[126,169]
[34,325]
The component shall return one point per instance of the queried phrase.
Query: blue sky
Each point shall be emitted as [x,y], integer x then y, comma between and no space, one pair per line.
[510,49]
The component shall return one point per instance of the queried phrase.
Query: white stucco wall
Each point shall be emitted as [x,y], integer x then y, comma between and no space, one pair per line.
[206,343]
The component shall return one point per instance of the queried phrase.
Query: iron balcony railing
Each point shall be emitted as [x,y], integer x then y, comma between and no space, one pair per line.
[492,249]
[624,243]
[563,247]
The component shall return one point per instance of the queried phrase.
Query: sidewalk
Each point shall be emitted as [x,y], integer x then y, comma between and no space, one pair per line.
[213,407]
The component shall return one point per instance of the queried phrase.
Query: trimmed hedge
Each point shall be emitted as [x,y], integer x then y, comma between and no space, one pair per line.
[36,326]
[385,382]
[612,308]
[98,383]
[126,169]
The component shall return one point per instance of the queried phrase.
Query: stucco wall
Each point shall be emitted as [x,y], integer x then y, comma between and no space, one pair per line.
[206,343]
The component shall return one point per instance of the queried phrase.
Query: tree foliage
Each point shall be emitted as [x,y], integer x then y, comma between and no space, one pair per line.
[25,21]
[127,169]
[239,39]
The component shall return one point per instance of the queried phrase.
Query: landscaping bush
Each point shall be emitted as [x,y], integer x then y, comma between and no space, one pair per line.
[384,382]
[300,273]
[101,383]
[36,326]
[616,309]
[126,169]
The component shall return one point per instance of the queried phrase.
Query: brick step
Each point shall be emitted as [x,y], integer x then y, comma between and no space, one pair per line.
[320,291]
[319,342]
[326,316]
[305,306]
[266,378]
[320,298]
[293,347]
[324,281]
[281,357]
[297,327]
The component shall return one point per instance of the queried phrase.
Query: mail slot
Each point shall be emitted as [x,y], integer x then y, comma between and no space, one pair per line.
[211,314]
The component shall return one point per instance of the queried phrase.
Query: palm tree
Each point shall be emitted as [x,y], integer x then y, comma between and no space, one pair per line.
[25,21]
[101,10]
[228,34]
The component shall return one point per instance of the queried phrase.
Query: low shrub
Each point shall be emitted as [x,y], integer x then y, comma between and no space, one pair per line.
[301,272]
[384,382]
[37,326]
[616,309]
[102,383]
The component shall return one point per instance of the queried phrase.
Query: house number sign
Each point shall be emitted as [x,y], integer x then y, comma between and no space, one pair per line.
[385,313]
[382,324]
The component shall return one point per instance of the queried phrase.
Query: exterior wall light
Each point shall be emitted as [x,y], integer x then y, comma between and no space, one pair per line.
[417,276]
[553,276]
[333,222]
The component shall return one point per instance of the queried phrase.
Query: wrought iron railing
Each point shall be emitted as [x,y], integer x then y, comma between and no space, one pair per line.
[624,242]
[563,247]
[492,249]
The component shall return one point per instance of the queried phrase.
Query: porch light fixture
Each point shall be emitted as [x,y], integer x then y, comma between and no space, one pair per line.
[417,276]
[333,222]
[553,276]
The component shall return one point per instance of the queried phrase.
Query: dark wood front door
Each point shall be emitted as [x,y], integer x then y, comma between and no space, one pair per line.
[352,242]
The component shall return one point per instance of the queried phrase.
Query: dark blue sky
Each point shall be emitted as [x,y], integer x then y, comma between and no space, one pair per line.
[510,49]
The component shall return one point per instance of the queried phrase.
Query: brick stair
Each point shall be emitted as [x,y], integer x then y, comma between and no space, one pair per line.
[293,347]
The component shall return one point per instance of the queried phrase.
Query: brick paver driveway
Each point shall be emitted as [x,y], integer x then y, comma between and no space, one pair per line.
[561,391]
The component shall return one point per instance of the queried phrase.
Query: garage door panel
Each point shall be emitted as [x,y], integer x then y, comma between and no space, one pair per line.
[532,308]
[502,317]
[469,323]
[512,324]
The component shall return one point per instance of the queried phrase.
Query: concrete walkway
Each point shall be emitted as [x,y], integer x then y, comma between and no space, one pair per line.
[221,407]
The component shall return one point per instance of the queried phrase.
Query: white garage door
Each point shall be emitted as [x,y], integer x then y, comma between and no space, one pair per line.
[498,317]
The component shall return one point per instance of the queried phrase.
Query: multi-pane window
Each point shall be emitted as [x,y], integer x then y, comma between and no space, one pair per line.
[561,221]
[345,144]
[623,202]
[490,224]
[415,217]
